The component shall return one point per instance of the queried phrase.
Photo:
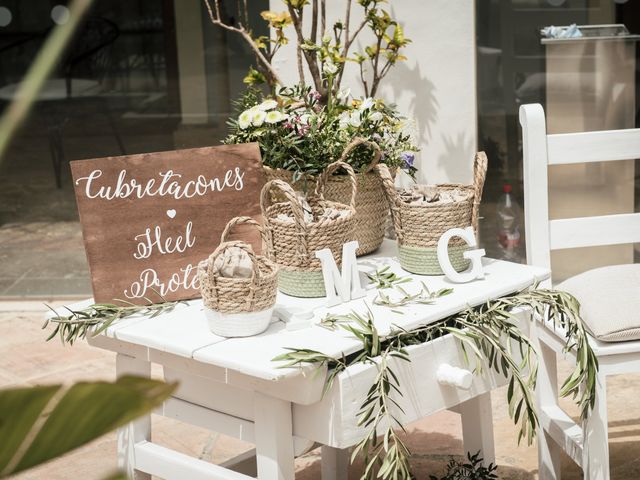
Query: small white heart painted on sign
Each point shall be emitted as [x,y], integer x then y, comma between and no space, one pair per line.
[171,213]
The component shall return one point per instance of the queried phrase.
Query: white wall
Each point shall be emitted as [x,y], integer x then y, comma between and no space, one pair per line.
[436,86]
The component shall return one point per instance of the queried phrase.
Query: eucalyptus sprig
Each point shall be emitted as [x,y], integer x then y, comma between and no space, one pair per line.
[384,278]
[423,297]
[96,318]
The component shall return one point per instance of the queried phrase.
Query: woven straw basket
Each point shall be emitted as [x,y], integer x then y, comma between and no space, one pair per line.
[292,244]
[371,206]
[238,307]
[419,227]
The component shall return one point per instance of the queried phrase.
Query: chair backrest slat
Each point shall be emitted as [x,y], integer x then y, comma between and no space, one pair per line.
[536,200]
[541,150]
[565,148]
[594,231]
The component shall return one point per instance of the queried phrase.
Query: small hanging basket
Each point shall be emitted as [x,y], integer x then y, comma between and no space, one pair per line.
[371,206]
[292,242]
[238,306]
[418,227]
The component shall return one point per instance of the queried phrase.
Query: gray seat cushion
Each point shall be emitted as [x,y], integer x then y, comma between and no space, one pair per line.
[610,301]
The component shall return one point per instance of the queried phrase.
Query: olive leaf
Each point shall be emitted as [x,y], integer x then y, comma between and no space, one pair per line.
[488,333]
[96,318]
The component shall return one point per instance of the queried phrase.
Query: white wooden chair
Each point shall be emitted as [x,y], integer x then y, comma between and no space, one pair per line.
[603,292]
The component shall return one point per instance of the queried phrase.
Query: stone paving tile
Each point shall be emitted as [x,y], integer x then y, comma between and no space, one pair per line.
[50,287]
[5,283]
[60,267]
[25,358]
[25,354]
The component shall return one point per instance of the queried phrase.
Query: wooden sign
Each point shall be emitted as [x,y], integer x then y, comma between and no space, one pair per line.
[148,219]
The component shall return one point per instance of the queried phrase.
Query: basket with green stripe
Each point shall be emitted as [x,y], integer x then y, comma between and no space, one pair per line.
[292,241]
[419,226]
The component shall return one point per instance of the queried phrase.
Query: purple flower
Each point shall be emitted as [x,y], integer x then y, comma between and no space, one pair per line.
[315,95]
[408,158]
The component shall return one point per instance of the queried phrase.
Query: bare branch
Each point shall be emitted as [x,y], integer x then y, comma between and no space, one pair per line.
[314,21]
[347,22]
[300,65]
[348,41]
[266,64]
[323,17]
[363,80]
[310,56]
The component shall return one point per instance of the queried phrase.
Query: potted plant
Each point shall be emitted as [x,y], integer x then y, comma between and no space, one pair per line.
[301,129]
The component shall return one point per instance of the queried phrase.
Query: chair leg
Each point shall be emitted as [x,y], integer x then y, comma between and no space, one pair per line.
[335,463]
[549,452]
[595,457]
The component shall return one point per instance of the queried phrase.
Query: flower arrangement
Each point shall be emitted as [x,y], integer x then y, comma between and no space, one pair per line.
[297,132]
[305,128]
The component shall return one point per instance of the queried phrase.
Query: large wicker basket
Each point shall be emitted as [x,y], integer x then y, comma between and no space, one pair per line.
[418,227]
[371,206]
[292,243]
[238,307]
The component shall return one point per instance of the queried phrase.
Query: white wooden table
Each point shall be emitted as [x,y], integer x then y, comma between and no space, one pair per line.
[232,386]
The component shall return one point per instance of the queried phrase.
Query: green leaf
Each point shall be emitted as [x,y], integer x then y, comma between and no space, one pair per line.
[77,415]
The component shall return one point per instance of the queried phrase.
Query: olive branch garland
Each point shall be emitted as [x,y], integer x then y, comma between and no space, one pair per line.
[96,318]
[490,333]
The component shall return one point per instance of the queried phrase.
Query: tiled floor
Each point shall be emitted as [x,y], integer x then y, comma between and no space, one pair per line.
[26,359]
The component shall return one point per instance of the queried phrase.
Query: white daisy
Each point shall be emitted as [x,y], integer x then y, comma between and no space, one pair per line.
[343,121]
[354,119]
[274,116]
[375,116]
[329,68]
[257,117]
[244,120]
[366,104]
[267,105]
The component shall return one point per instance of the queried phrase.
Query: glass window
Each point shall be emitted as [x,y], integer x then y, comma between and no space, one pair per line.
[583,86]
[139,76]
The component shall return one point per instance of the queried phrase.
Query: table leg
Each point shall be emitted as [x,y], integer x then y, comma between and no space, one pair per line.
[477,427]
[335,463]
[595,456]
[273,433]
[138,430]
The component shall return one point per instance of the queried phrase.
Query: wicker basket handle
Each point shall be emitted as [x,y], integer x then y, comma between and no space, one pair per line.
[324,178]
[239,221]
[296,208]
[290,195]
[392,197]
[357,141]
[479,175]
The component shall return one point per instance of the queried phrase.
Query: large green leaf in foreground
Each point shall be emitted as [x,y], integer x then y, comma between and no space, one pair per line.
[86,411]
